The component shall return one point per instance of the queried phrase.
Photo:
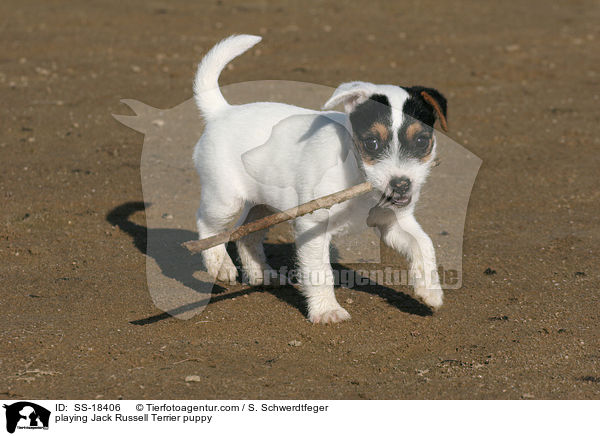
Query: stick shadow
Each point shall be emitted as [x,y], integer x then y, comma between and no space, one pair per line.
[280,256]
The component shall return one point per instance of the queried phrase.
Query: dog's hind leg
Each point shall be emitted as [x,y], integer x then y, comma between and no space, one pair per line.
[251,251]
[214,218]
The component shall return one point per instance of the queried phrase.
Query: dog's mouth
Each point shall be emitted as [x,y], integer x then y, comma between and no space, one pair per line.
[400,200]
[395,199]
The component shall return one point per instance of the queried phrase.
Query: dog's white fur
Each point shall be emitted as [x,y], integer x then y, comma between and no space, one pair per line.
[235,176]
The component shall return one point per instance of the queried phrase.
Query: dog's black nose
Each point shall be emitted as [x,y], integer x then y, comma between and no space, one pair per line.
[400,185]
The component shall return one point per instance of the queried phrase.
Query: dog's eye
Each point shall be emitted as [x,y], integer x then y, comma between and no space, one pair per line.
[371,144]
[422,141]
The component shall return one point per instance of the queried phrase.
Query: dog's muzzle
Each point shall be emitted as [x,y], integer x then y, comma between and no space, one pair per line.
[399,191]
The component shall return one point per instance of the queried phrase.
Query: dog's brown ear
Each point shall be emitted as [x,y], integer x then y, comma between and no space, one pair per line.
[350,95]
[438,103]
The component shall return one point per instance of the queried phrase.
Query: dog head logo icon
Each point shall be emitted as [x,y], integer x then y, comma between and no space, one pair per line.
[26,415]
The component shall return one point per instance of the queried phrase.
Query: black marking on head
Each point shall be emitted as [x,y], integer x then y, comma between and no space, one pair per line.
[416,139]
[371,124]
[416,106]
[416,132]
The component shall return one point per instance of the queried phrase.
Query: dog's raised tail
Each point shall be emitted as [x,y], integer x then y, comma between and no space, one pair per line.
[206,86]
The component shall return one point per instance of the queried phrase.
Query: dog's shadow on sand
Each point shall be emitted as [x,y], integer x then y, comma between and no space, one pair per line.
[280,256]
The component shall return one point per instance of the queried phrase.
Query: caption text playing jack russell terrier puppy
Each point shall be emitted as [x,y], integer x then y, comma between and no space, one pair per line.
[257,157]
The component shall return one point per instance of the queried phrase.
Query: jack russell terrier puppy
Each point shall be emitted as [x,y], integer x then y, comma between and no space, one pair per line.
[384,136]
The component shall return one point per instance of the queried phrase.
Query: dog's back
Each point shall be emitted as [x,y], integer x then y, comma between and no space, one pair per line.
[260,149]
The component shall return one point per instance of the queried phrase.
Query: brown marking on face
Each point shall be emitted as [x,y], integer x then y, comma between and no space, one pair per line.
[411,134]
[365,157]
[370,120]
[413,130]
[427,156]
[380,130]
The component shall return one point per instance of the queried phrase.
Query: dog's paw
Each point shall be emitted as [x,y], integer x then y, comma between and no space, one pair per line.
[432,297]
[228,274]
[219,265]
[261,275]
[329,316]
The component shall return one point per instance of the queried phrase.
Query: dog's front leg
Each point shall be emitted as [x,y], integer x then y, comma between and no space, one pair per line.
[405,235]
[315,275]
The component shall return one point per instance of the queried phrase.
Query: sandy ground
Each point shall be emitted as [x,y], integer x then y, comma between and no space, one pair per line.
[523,84]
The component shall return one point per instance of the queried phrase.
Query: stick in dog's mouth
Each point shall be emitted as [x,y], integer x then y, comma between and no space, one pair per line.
[319,203]
[390,198]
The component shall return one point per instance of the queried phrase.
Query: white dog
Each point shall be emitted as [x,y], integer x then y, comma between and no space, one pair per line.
[277,156]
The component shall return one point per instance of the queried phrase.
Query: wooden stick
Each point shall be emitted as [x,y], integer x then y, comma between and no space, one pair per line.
[319,203]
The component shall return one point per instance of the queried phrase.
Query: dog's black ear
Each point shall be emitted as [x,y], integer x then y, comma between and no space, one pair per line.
[350,95]
[436,100]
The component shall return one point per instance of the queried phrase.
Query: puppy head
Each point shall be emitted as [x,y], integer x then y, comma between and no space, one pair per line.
[393,135]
